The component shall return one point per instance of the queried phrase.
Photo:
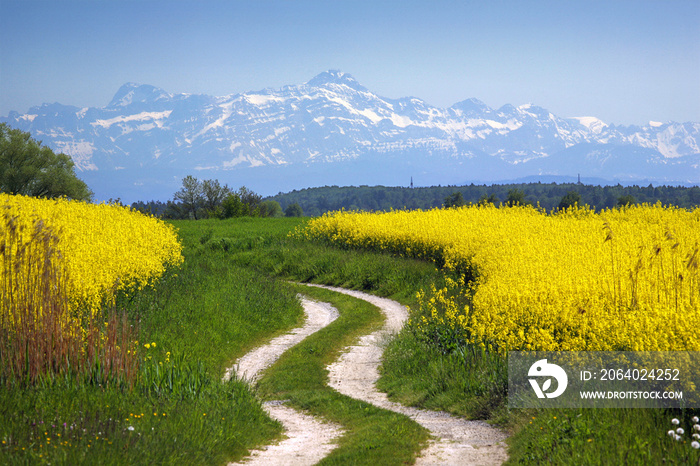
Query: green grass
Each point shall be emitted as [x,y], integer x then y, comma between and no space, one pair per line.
[600,436]
[86,425]
[265,245]
[372,435]
[208,312]
[217,306]
[470,383]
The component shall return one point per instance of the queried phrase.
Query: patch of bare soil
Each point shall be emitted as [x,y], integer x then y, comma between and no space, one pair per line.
[456,441]
[309,439]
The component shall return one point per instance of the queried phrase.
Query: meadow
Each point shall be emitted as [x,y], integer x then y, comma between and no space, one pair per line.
[230,292]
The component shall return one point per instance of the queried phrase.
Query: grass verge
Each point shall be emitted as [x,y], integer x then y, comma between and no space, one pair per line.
[469,382]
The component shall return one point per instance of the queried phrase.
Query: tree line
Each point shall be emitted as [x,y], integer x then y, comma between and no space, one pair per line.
[198,199]
[550,196]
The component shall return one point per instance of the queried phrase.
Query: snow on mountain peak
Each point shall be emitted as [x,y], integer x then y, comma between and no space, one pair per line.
[131,93]
[333,118]
[472,107]
[335,77]
[592,123]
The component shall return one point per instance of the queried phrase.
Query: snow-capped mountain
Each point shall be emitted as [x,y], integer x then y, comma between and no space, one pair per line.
[332,130]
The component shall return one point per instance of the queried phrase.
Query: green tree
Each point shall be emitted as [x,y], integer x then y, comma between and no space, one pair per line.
[516,197]
[232,206]
[490,199]
[694,196]
[454,200]
[293,210]
[270,208]
[28,168]
[213,194]
[250,200]
[570,199]
[626,199]
[190,196]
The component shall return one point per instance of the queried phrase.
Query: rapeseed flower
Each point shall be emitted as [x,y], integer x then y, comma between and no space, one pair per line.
[103,247]
[577,280]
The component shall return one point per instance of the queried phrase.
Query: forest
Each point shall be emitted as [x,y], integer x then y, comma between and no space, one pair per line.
[316,201]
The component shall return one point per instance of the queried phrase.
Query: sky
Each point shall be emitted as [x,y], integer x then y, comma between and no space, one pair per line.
[625,62]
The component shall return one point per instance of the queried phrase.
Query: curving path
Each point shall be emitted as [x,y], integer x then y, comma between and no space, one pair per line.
[456,441]
[308,439]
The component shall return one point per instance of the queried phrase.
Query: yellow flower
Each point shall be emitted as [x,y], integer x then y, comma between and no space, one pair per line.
[573,281]
[102,247]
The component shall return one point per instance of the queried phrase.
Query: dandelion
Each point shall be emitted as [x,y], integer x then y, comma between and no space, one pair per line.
[696,419]
[147,346]
[130,428]
[675,421]
[696,427]
[696,436]
[695,445]
[680,431]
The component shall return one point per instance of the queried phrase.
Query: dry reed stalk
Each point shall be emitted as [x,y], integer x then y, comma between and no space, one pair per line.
[40,336]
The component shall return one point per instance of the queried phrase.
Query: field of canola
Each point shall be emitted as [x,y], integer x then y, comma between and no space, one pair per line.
[102,247]
[621,279]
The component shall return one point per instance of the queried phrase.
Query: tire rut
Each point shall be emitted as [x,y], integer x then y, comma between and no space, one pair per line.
[309,439]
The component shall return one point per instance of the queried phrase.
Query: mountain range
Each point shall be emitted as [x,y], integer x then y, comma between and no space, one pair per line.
[332,130]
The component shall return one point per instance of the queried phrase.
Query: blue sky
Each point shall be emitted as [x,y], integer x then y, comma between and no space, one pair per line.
[626,62]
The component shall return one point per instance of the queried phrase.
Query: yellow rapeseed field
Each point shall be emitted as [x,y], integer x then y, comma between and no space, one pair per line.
[620,279]
[103,247]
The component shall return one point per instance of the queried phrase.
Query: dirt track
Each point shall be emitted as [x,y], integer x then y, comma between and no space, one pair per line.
[309,439]
[456,441]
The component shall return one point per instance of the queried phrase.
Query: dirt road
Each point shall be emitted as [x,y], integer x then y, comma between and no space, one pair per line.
[456,441]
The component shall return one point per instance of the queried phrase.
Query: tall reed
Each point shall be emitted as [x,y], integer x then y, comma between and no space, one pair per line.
[41,336]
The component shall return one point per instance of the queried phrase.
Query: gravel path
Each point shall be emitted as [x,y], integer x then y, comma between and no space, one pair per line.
[309,439]
[457,441]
